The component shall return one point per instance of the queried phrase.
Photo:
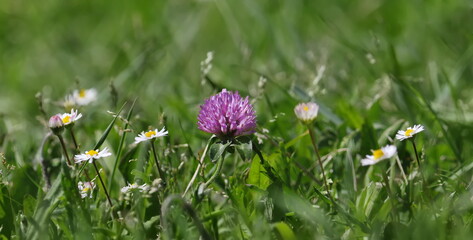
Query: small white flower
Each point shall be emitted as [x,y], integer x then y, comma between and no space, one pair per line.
[69,102]
[306,112]
[84,96]
[384,153]
[131,187]
[145,136]
[86,189]
[410,132]
[70,118]
[55,122]
[91,155]
[156,185]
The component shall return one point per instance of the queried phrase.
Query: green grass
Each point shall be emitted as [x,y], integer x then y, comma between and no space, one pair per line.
[374,66]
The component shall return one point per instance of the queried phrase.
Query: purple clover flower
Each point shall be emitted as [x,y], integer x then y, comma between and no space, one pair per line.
[227,115]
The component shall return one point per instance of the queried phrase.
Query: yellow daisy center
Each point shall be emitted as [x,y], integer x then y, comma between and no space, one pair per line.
[409,132]
[378,153]
[306,108]
[150,134]
[66,119]
[92,153]
[82,93]
[86,189]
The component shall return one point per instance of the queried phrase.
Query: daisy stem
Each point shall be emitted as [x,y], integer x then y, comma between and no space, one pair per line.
[417,155]
[390,193]
[73,136]
[103,185]
[64,149]
[418,161]
[319,159]
[161,173]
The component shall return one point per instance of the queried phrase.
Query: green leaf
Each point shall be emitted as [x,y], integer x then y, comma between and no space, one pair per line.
[2,212]
[285,232]
[139,174]
[109,128]
[120,146]
[368,139]
[44,210]
[217,149]
[257,175]
[104,136]
[29,204]
[349,114]
[245,149]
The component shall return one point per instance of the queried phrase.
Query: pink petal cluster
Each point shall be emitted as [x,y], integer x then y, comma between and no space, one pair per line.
[227,115]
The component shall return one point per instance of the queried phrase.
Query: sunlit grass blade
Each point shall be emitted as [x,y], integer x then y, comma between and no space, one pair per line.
[120,145]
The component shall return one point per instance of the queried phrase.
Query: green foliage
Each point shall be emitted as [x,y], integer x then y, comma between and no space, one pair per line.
[373,66]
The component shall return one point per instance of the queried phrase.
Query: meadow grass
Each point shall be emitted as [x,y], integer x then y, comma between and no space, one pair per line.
[373,66]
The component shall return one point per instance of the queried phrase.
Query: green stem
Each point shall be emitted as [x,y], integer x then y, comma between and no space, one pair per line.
[390,194]
[217,171]
[119,151]
[64,149]
[73,136]
[161,173]
[417,155]
[319,159]
[201,162]
[120,145]
[103,185]
[424,182]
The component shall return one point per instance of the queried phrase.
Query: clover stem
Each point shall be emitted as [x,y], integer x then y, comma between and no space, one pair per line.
[217,171]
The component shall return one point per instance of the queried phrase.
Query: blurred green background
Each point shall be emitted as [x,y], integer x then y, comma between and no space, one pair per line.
[348,55]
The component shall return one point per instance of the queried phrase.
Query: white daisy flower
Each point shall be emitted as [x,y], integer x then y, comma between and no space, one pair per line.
[131,187]
[69,102]
[145,136]
[306,112]
[384,153]
[84,96]
[410,132]
[86,188]
[70,118]
[91,155]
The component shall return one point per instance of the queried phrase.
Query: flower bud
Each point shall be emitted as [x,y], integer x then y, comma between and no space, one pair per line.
[306,112]
[56,125]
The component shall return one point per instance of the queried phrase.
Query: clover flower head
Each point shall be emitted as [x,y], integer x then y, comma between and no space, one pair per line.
[84,96]
[306,112]
[409,133]
[152,134]
[86,188]
[227,115]
[91,155]
[385,152]
[70,118]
